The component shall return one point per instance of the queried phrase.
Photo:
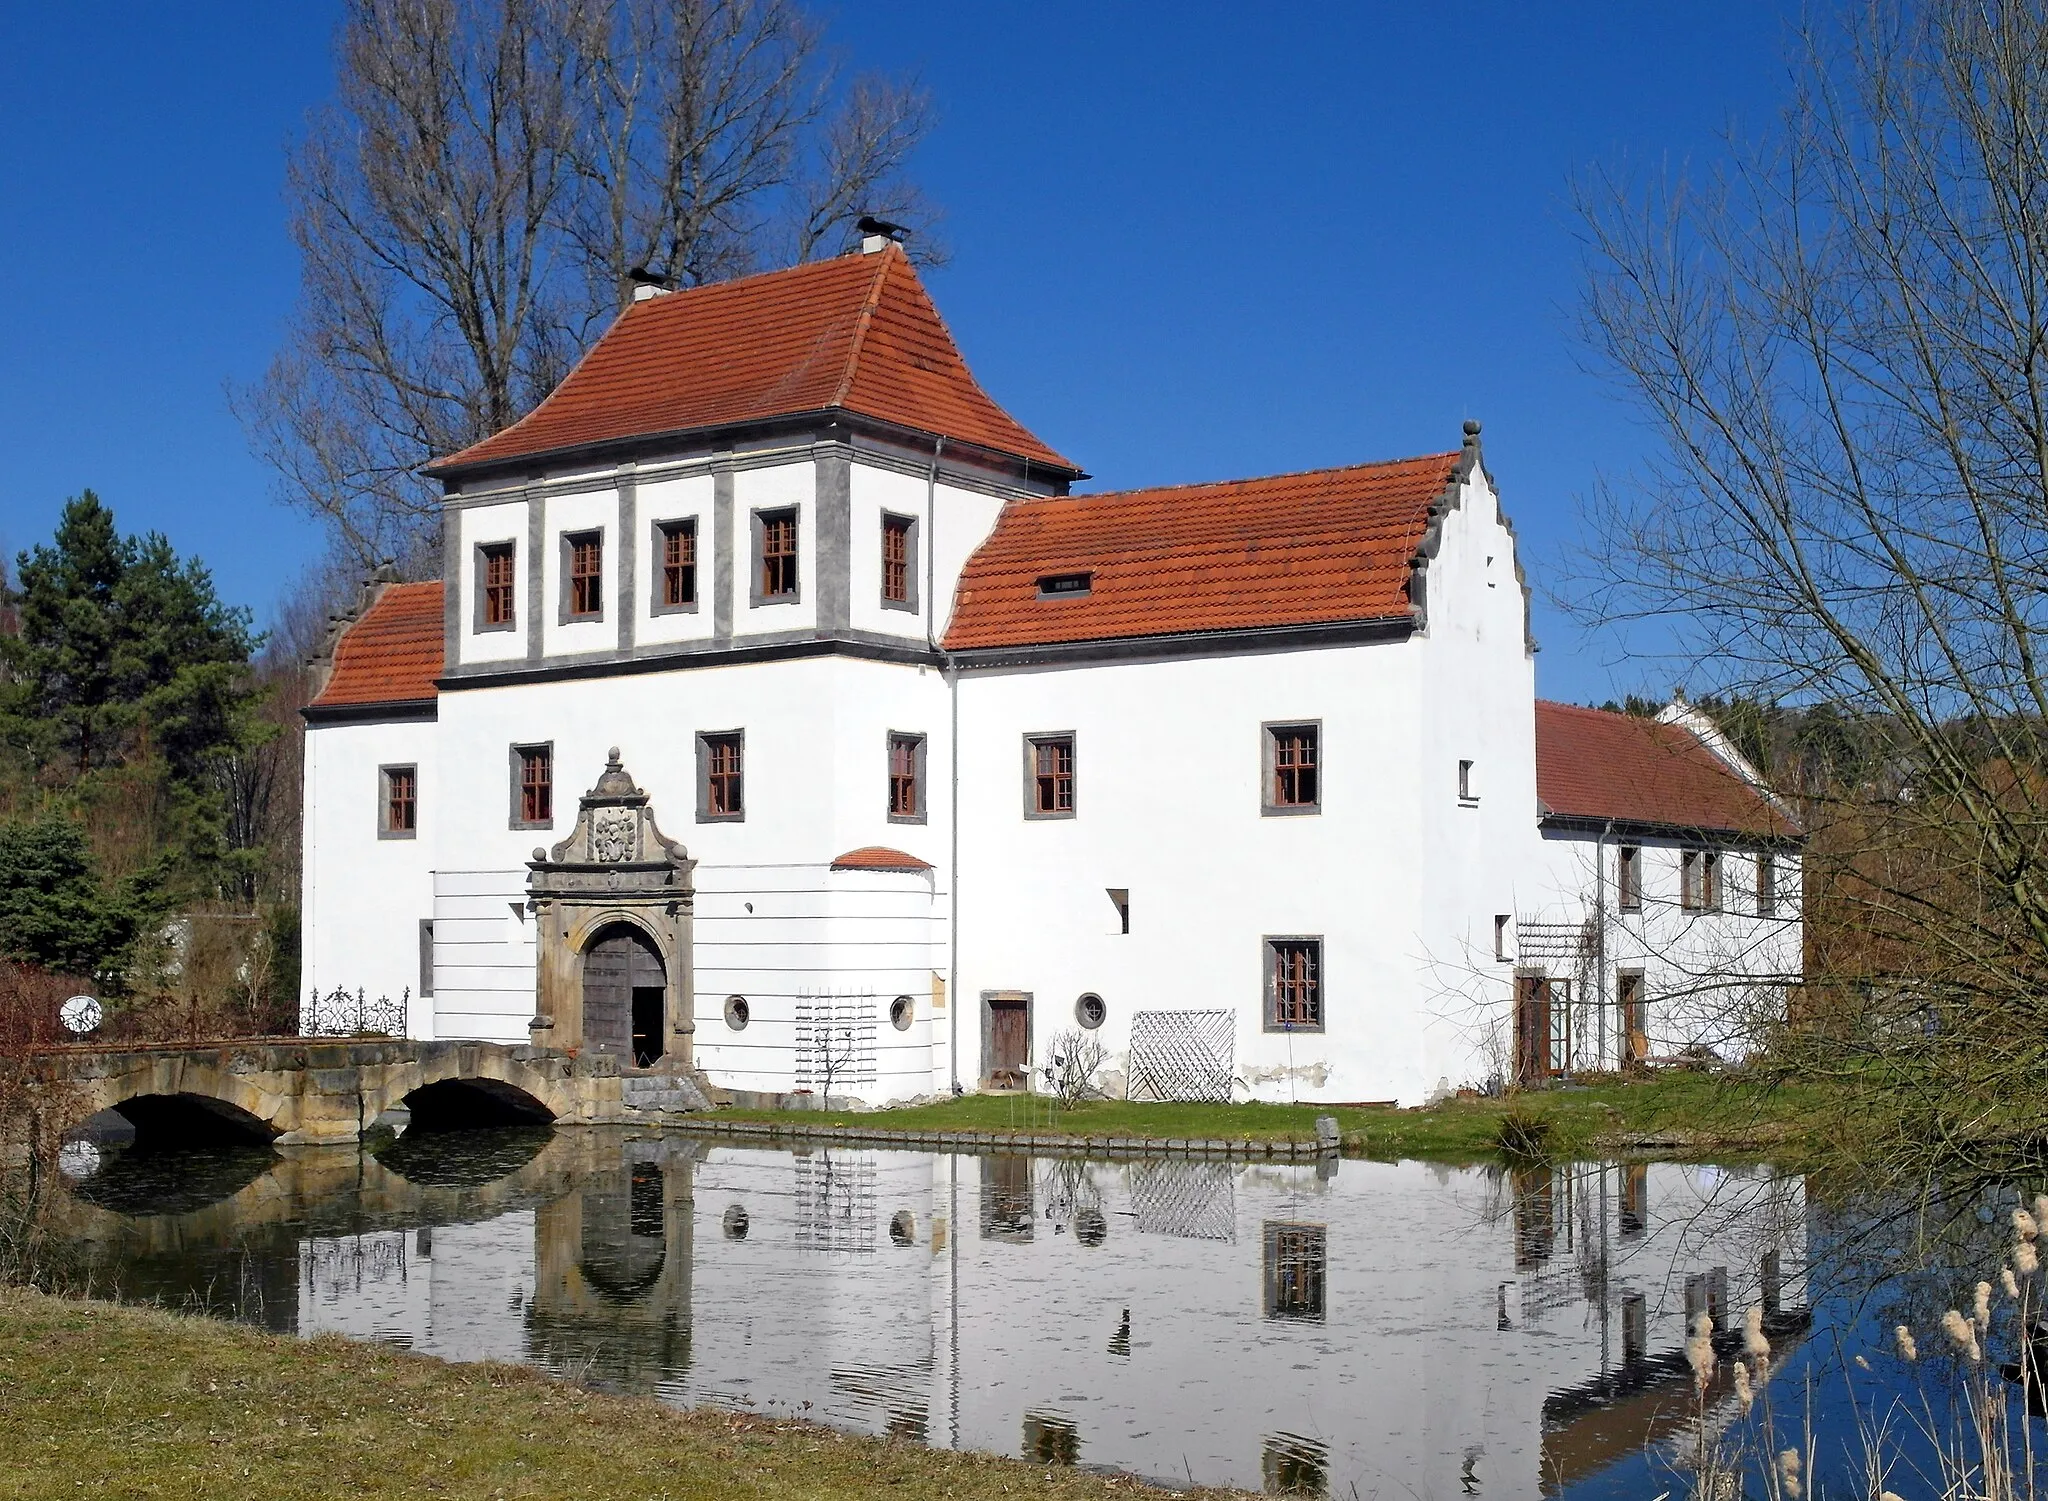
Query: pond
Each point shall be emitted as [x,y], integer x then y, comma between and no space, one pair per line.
[1339,1328]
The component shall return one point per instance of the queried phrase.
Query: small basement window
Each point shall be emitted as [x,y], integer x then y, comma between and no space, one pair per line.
[1060,585]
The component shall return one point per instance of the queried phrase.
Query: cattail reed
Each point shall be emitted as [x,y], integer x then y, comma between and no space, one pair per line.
[1908,1350]
[1753,1341]
[1788,1473]
[2009,1282]
[1980,1314]
[1963,1332]
[1699,1351]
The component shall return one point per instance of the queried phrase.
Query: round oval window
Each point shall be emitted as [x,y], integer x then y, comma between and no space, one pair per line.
[736,1012]
[903,1228]
[1090,1011]
[736,1223]
[900,1013]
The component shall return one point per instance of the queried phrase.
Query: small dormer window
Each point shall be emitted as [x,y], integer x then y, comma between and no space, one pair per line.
[1063,585]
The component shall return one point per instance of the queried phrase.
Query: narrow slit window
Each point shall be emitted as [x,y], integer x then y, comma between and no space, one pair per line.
[1465,792]
[1766,886]
[896,559]
[678,564]
[1501,923]
[906,789]
[778,554]
[1628,878]
[586,576]
[499,560]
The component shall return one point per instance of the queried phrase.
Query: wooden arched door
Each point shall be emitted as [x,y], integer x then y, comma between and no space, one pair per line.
[625,996]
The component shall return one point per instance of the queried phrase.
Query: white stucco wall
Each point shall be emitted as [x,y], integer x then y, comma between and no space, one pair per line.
[363,895]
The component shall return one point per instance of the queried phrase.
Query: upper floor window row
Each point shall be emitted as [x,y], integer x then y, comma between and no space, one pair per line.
[1701,873]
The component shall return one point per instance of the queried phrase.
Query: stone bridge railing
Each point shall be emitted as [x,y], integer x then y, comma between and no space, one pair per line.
[310,1090]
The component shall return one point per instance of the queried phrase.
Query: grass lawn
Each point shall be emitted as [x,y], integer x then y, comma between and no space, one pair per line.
[97,1399]
[1682,1111]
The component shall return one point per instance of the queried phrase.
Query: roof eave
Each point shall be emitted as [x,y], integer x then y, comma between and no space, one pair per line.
[456,467]
[383,710]
[1598,823]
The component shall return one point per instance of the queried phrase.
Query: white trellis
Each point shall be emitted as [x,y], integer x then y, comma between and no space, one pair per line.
[835,1039]
[1183,1055]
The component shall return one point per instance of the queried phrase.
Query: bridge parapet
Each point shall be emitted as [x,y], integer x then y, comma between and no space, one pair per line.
[313,1090]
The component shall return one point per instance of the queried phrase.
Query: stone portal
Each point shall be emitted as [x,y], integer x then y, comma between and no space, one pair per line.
[612,911]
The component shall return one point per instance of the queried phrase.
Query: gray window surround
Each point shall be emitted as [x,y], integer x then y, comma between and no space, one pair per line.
[704,739]
[755,596]
[1467,798]
[737,1012]
[910,547]
[1031,743]
[917,740]
[480,556]
[384,829]
[564,543]
[1699,879]
[517,756]
[1628,877]
[1270,946]
[1090,1017]
[1766,884]
[902,1012]
[1267,807]
[426,990]
[657,553]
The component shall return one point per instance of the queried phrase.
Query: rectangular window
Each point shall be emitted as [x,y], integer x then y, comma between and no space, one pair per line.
[1501,920]
[678,588]
[1294,985]
[1766,886]
[533,786]
[1048,776]
[776,534]
[586,575]
[1628,878]
[426,957]
[1294,778]
[495,563]
[1465,792]
[1699,881]
[1630,1001]
[1064,585]
[721,781]
[1297,1258]
[1120,898]
[906,778]
[899,562]
[401,807]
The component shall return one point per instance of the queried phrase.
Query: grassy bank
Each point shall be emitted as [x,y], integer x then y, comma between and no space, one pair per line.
[1673,1113]
[135,1402]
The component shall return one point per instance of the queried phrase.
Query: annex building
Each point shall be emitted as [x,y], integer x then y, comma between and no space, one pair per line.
[783,714]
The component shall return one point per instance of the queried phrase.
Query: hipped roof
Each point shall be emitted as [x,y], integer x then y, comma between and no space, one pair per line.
[857,334]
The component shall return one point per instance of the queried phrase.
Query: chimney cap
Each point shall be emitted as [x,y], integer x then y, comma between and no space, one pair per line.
[877,234]
[648,283]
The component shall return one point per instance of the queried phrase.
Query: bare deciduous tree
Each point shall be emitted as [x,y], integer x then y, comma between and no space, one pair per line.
[468,208]
[1841,343]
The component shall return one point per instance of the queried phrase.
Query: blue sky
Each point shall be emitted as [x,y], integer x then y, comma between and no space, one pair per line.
[1190,242]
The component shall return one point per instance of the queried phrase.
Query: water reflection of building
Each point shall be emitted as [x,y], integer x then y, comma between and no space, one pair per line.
[1442,1331]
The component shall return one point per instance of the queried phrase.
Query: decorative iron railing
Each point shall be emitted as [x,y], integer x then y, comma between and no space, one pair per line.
[339,1014]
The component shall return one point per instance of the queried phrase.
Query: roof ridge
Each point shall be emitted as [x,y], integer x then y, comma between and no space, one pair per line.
[1250,479]
[864,321]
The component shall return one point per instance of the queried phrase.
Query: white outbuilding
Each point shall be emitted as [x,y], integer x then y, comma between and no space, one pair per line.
[782,714]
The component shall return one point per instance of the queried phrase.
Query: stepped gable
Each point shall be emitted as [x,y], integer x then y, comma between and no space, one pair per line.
[391,654]
[1327,546]
[856,334]
[1593,764]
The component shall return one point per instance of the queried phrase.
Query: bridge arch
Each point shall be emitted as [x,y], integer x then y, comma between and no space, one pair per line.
[463,1104]
[190,1118]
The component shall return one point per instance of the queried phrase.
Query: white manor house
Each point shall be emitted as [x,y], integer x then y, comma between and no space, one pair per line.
[783,715]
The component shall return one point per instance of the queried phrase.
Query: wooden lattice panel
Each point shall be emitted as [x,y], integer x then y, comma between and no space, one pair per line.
[1183,1055]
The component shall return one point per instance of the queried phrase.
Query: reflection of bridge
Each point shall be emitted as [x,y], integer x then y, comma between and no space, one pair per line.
[304,1090]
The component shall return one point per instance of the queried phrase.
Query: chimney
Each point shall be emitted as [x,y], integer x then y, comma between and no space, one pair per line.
[647,284]
[873,244]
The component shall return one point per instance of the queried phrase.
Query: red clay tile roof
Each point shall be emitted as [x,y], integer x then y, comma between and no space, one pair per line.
[392,654]
[1593,764]
[879,857]
[858,333]
[1294,549]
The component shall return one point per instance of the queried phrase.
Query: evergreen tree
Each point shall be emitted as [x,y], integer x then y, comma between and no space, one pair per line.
[55,910]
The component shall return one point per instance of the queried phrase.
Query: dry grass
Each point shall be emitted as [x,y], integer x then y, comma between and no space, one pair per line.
[101,1399]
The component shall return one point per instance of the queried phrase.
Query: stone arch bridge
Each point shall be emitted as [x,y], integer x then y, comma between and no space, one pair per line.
[312,1090]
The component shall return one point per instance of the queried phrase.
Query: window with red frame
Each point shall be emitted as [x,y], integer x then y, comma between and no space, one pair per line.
[679,564]
[586,576]
[896,559]
[1297,985]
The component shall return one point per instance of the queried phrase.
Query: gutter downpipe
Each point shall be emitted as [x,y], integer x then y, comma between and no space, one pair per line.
[952,675]
[1600,943]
